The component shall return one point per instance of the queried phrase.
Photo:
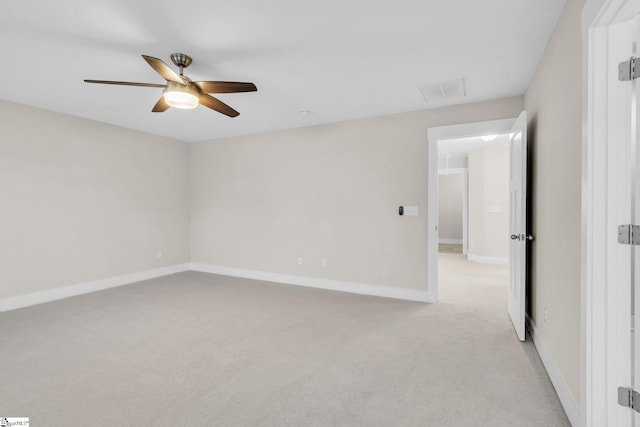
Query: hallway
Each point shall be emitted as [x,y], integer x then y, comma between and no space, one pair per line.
[472,284]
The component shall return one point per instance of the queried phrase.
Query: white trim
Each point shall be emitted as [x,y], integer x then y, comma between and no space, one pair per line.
[435,134]
[465,214]
[35,298]
[450,241]
[570,406]
[598,311]
[314,282]
[488,259]
[452,171]
[465,130]
[589,12]
[432,217]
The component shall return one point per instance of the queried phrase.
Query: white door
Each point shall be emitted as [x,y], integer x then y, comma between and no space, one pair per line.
[611,260]
[518,224]
[634,256]
[624,209]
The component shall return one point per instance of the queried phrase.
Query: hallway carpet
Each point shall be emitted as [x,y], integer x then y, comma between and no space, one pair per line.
[194,349]
[473,284]
[450,248]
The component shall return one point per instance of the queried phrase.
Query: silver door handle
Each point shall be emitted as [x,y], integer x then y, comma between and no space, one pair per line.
[522,237]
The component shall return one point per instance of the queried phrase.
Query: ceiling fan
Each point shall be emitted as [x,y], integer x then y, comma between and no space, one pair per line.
[181,92]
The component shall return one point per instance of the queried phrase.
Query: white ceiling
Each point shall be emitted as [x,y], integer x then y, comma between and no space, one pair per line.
[461,147]
[339,59]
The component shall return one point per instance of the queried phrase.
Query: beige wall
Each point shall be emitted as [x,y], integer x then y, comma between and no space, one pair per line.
[332,191]
[554,104]
[450,202]
[488,190]
[81,200]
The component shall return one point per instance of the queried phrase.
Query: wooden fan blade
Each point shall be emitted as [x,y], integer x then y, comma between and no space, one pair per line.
[161,106]
[163,69]
[225,87]
[109,82]
[217,105]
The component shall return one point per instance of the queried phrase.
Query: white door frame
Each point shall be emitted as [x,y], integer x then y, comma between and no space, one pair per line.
[434,135]
[597,308]
[465,202]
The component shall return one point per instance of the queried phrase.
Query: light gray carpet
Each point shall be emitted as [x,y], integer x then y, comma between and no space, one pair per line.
[473,284]
[449,248]
[194,349]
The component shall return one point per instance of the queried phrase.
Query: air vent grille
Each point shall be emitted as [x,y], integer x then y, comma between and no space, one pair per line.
[441,92]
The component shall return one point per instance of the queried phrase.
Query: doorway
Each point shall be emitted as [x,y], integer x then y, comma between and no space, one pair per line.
[473,221]
[435,135]
[516,129]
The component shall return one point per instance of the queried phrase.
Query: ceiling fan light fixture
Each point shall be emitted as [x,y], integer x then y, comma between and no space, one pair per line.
[180,96]
[181,92]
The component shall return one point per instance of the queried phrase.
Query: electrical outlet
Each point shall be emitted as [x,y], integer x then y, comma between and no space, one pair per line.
[158,254]
[300,260]
[545,312]
[323,263]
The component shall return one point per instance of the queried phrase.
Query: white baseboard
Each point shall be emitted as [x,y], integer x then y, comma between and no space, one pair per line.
[570,406]
[450,241]
[314,282]
[488,259]
[34,298]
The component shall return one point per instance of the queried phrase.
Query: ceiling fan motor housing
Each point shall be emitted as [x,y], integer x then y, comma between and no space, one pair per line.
[181,60]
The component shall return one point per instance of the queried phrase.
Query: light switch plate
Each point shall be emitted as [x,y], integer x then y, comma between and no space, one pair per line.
[410,211]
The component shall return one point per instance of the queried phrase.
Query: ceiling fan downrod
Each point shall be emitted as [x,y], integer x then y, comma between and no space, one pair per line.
[181,60]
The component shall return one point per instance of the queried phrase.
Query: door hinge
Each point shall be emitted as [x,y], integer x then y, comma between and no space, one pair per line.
[629,234]
[629,398]
[629,70]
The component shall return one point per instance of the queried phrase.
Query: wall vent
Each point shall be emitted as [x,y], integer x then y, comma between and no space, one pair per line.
[441,92]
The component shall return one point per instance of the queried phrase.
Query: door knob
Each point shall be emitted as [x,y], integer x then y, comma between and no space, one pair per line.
[522,237]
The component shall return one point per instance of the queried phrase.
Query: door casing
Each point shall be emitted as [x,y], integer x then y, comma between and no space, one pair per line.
[600,187]
[434,135]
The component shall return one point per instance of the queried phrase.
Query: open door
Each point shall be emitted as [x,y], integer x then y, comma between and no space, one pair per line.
[518,224]
[626,231]
[611,216]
